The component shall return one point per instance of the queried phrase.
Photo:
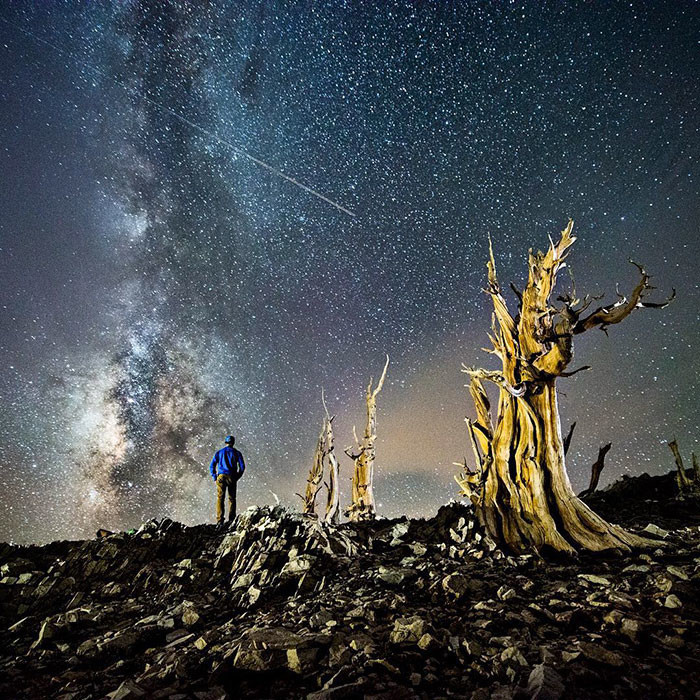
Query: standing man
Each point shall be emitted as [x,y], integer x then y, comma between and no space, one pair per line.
[226,469]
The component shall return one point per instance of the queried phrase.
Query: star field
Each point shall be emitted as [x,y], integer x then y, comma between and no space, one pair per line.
[160,289]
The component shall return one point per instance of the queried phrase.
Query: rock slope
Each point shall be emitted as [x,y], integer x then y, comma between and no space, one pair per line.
[282,607]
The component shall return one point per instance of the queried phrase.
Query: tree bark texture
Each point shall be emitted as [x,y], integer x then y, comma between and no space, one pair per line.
[324,460]
[362,506]
[333,497]
[520,486]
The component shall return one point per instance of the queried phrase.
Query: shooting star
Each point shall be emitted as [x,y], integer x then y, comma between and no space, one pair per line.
[213,135]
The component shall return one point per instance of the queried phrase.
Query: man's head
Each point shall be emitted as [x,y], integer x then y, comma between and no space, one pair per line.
[230,440]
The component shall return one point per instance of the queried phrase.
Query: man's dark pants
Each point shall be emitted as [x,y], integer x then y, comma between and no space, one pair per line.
[224,483]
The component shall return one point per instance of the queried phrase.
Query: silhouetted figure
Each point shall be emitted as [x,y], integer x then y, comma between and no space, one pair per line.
[226,468]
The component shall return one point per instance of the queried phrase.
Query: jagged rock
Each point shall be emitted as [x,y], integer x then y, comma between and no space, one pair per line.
[677,572]
[128,690]
[672,601]
[506,593]
[349,691]
[321,618]
[409,629]
[299,565]
[455,585]
[592,578]
[427,642]
[393,575]
[243,581]
[599,654]
[398,532]
[260,659]
[544,683]
[302,659]
[631,628]
[283,606]
[48,631]
[511,655]
[655,531]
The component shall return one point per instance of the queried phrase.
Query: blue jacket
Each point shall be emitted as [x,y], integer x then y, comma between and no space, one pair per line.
[228,460]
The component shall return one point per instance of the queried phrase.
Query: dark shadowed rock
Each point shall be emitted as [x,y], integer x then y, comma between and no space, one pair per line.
[284,606]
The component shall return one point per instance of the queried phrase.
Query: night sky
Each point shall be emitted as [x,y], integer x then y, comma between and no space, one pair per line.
[160,289]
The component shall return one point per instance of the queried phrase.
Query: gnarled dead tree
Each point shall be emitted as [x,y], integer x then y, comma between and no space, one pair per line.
[333,499]
[686,485]
[520,487]
[313,482]
[323,456]
[362,505]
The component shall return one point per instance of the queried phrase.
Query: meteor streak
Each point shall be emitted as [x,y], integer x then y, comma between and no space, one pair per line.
[198,127]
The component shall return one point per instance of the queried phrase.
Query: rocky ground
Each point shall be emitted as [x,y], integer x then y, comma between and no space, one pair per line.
[280,607]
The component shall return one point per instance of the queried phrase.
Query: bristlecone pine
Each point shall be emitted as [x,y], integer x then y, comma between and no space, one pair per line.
[362,505]
[333,496]
[686,485]
[324,459]
[313,482]
[520,488]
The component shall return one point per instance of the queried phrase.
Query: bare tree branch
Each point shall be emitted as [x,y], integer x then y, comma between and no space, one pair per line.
[567,439]
[596,470]
[605,316]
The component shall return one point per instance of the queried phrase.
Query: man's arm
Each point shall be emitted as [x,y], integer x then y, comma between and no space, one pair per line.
[241,465]
[212,466]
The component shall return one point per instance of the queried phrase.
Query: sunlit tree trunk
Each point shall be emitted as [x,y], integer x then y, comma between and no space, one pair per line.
[313,482]
[333,500]
[333,495]
[362,506]
[324,459]
[520,487]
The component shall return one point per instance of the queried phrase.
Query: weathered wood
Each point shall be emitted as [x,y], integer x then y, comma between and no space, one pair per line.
[567,439]
[687,485]
[520,486]
[333,496]
[681,478]
[362,506]
[596,470]
[324,458]
[313,482]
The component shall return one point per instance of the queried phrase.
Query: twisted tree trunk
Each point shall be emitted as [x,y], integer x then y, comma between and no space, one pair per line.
[520,486]
[333,498]
[362,506]
[323,455]
[313,482]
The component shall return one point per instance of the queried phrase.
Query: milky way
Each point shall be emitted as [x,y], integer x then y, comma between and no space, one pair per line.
[160,289]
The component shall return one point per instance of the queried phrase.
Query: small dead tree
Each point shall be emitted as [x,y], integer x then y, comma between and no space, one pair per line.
[596,470]
[324,459]
[333,499]
[362,506]
[567,439]
[686,485]
[313,482]
[520,487]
